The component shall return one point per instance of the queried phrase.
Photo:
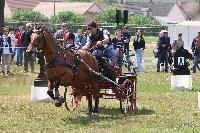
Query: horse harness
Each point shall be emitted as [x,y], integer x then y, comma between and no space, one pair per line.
[55,62]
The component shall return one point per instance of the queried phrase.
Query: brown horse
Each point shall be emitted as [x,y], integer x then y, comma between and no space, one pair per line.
[67,68]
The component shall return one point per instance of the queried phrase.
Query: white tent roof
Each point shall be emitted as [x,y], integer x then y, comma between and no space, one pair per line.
[189,23]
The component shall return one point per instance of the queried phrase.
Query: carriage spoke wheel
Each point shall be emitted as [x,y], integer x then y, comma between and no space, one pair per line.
[69,98]
[128,101]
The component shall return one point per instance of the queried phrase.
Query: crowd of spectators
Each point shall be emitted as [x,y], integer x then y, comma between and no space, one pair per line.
[14,41]
[175,55]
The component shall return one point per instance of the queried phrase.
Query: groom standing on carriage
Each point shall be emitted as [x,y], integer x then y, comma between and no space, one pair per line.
[99,43]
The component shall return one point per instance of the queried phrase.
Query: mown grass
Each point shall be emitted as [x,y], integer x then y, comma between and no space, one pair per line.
[160,109]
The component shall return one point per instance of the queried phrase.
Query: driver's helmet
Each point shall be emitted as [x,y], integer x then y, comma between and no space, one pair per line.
[92,24]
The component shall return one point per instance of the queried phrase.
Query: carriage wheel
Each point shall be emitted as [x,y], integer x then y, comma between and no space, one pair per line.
[128,101]
[70,102]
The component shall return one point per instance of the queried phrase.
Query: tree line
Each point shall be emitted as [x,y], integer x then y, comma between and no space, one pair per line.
[106,16]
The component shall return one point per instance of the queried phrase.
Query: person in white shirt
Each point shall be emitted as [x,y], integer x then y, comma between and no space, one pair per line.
[13,41]
[6,50]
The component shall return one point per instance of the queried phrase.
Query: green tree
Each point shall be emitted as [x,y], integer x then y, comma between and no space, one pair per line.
[2,4]
[97,1]
[107,16]
[142,21]
[68,16]
[28,15]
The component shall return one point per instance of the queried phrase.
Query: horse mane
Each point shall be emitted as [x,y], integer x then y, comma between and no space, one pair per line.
[47,32]
[43,28]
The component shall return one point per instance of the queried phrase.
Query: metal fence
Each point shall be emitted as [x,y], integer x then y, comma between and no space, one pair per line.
[111,27]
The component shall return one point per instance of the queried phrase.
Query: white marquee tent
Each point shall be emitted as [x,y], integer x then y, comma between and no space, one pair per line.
[189,29]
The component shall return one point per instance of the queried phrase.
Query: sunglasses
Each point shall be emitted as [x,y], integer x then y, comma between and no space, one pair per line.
[64,26]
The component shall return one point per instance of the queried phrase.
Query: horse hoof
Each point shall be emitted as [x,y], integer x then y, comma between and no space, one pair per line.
[96,114]
[58,104]
[89,113]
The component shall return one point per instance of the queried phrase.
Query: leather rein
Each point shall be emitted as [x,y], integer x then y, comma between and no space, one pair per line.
[55,62]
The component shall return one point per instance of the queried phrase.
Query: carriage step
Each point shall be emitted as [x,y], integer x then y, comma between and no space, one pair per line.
[109,97]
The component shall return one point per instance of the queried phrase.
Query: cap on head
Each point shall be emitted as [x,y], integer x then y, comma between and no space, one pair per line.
[28,25]
[2,25]
[64,24]
[164,31]
[91,25]
[179,34]
[126,27]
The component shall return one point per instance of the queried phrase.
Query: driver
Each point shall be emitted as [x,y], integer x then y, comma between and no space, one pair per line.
[99,40]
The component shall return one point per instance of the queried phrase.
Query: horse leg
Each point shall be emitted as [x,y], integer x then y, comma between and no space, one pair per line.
[50,89]
[96,107]
[58,99]
[90,110]
[96,99]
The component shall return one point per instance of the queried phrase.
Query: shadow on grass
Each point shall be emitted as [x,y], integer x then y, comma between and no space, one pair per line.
[144,111]
[107,114]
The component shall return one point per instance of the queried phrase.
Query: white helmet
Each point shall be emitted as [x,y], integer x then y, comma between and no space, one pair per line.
[28,25]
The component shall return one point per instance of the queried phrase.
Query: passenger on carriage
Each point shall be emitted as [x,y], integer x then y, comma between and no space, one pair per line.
[70,41]
[118,45]
[80,38]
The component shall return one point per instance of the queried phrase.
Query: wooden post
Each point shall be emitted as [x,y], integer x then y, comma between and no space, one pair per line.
[2,5]
[54,8]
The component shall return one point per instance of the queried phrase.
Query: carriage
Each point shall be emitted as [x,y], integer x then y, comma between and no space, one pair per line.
[80,69]
[126,85]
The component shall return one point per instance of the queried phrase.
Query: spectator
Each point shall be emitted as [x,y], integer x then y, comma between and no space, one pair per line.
[177,43]
[69,38]
[6,50]
[19,46]
[80,38]
[163,51]
[87,33]
[1,34]
[14,41]
[118,45]
[126,37]
[196,51]
[180,61]
[156,52]
[59,35]
[28,56]
[139,46]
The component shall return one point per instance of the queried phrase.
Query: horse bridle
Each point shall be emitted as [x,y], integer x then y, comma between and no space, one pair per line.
[41,37]
[55,62]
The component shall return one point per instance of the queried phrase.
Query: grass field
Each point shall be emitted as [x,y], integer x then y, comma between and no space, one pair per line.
[160,109]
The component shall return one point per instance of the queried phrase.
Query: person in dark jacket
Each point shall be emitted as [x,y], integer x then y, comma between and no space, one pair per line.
[196,51]
[1,34]
[118,45]
[181,64]
[139,46]
[126,38]
[28,56]
[164,47]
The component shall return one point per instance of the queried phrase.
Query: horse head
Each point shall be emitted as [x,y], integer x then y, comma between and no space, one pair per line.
[37,38]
